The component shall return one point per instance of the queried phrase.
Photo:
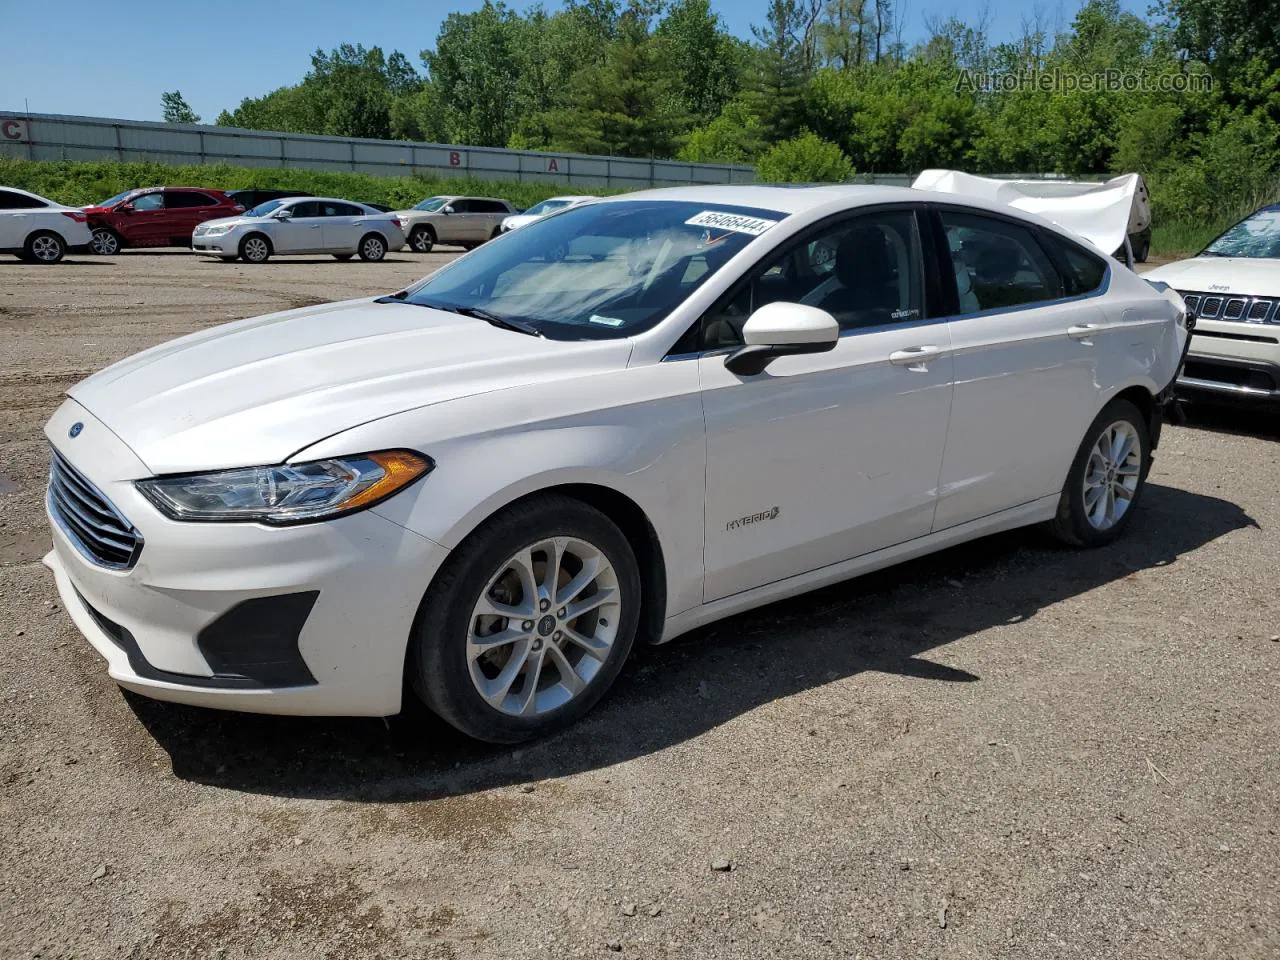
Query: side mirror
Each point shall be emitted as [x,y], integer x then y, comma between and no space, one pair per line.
[779,330]
[447,210]
[283,214]
[125,208]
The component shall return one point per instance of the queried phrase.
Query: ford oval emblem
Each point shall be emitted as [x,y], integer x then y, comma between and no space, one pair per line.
[75,429]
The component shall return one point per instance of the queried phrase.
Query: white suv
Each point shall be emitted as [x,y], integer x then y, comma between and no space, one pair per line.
[39,230]
[1233,288]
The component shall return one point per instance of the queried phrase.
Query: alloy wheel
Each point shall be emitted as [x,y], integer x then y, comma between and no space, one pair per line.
[1112,474]
[46,249]
[256,250]
[373,249]
[543,626]
[105,243]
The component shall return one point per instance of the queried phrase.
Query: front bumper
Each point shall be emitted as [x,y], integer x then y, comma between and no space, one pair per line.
[218,245]
[1234,361]
[312,619]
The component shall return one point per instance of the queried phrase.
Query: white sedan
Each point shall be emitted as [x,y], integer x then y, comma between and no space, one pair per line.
[540,210]
[301,225]
[40,230]
[624,421]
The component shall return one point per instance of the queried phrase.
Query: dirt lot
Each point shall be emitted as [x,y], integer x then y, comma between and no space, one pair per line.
[1008,750]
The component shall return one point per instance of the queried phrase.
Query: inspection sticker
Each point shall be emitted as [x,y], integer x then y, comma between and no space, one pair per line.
[719,220]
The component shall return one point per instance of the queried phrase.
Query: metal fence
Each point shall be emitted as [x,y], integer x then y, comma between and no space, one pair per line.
[44,136]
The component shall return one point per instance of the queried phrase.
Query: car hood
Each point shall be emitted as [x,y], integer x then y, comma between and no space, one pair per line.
[257,391]
[232,221]
[520,220]
[97,211]
[1249,276]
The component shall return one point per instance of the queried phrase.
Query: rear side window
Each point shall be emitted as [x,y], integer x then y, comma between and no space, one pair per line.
[489,206]
[998,264]
[19,201]
[341,210]
[179,199]
[1084,271]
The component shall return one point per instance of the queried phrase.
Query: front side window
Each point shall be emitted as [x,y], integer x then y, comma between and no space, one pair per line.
[1257,235]
[149,201]
[598,271]
[461,206]
[306,209]
[998,264]
[865,271]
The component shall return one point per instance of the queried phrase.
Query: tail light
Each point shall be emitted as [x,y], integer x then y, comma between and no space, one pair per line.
[76,215]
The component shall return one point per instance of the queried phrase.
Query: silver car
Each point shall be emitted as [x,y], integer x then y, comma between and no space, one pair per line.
[301,225]
[460,221]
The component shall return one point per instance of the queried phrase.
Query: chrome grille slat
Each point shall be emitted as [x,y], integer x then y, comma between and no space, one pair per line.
[91,522]
[1234,308]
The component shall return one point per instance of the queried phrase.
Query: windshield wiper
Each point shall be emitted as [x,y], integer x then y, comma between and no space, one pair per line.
[506,323]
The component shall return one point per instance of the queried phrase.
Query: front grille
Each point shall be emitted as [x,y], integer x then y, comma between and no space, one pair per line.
[1240,309]
[90,521]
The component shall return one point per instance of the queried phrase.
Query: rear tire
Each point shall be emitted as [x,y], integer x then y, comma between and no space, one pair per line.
[458,659]
[1106,479]
[373,247]
[255,248]
[422,239]
[105,242]
[45,246]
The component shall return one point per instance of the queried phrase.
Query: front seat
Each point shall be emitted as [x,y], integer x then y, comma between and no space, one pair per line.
[868,291]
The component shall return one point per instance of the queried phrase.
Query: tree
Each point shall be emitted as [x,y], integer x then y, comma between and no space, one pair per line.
[706,61]
[475,70]
[780,72]
[804,159]
[176,109]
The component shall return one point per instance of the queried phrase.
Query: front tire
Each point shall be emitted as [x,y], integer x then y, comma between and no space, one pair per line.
[1106,478]
[422,239]
[255,248]
[105,242]
[529,622]
[373,248]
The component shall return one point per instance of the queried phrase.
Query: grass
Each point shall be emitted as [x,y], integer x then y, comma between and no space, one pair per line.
[79,183]
[1179,239]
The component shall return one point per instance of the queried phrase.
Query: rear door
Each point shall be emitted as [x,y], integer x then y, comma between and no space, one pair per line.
[186,209]
[343,225]
[460,226]
[1025,391]
[492,214]
[18,216]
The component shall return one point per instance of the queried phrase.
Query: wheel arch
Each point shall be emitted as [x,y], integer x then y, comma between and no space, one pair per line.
[1143,396]
[626,514]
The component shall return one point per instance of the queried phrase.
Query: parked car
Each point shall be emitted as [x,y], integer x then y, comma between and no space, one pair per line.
[255,196]
[40,230]
[550,205]
[155,217]
[459,221]
[1233,288]
[301,225]
[486,486]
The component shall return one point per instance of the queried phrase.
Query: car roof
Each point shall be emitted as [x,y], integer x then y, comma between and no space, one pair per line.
[801,198]
[354,203]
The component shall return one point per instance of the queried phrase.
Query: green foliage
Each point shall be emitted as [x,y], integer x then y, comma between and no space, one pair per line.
[805,159]
[176,109]
[736,136]
[79,183]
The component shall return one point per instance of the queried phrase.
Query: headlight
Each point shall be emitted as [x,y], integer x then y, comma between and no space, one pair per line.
[215,231]
[288,493]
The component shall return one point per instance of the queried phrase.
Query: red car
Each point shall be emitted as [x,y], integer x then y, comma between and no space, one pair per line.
[155,217]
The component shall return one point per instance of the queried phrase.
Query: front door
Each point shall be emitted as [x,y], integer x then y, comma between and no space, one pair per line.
[145,224]
[825,457]
[303,232]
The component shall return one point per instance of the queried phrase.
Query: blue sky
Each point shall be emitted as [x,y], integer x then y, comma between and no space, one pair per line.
[219,53]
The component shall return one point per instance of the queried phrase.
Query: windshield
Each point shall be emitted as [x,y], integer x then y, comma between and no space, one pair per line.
[431,204]
[1257,235]
[546,206]
[262,209]
[112,201]
[597,271]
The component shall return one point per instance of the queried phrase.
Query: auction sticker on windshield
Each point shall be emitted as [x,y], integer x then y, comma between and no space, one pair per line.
[731,221]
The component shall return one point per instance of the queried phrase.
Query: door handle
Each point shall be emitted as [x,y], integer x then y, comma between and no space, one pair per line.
[315,226]
[913,356]
[1084,331]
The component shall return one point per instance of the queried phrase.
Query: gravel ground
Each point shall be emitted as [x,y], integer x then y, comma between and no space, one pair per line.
[1006,750]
